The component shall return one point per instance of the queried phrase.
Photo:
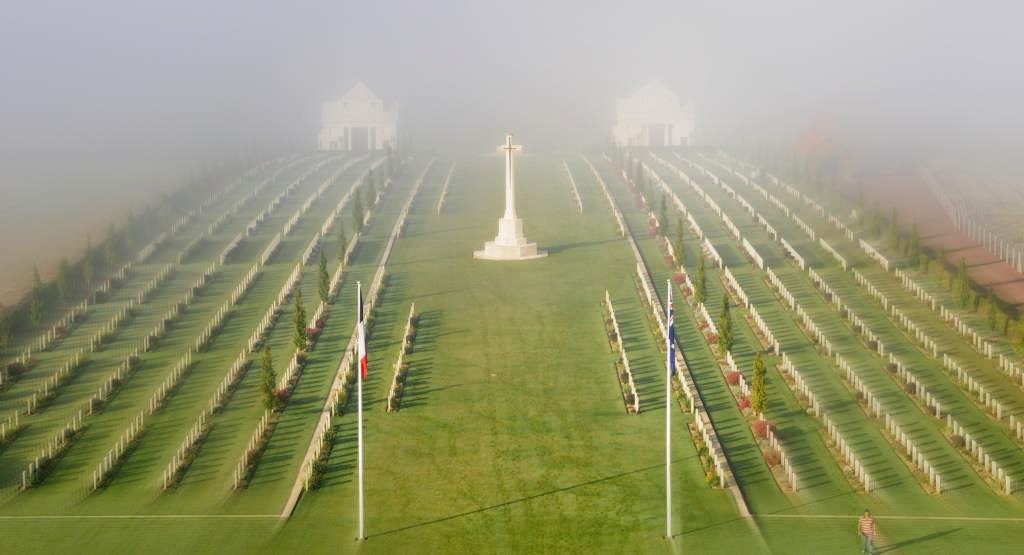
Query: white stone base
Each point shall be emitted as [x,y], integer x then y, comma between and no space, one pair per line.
[510,244]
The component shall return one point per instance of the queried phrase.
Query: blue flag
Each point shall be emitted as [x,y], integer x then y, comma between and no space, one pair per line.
[671,335]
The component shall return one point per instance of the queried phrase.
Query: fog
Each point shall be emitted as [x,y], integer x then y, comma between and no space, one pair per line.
[105,104]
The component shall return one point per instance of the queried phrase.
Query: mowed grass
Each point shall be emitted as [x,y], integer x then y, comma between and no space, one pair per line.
[512,436]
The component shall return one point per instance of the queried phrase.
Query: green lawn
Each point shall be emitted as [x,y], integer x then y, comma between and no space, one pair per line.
[512,435]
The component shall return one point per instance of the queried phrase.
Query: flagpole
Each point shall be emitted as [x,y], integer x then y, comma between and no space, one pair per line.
[359,374]
[668,419]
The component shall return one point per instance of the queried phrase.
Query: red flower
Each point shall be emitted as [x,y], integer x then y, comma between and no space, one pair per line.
[761,428]
[733,378]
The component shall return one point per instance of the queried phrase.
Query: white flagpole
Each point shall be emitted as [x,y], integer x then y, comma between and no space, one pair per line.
[668,425]
[359,374]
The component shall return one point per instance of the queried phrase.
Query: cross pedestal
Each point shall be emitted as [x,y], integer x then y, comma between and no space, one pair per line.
[510,243]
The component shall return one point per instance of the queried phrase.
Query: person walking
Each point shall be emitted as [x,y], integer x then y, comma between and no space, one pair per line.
[866,527]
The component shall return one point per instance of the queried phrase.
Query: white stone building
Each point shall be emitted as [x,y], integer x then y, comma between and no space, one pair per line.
[358,121]
[653,116]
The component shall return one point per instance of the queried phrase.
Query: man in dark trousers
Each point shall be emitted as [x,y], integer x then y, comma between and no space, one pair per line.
[866,527]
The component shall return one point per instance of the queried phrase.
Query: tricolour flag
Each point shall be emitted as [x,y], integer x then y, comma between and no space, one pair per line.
[363,361]
[671,335]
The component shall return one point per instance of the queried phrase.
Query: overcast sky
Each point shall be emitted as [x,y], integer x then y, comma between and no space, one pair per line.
[104,102]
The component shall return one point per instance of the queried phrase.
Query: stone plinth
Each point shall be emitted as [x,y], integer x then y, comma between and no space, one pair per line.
[510,244]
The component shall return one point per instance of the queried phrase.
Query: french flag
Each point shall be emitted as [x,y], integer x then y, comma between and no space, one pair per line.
[363,361]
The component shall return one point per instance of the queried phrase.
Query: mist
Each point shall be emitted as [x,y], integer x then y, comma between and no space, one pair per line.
[106,105]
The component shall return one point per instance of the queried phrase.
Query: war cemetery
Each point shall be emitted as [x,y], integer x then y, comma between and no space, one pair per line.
[651,346]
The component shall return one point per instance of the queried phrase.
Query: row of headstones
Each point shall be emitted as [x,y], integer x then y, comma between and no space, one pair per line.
[833,431]
[907,376]
[113,456]
[780,287]
[117,377]
[689,388]
[988,239]
[734,285]
[147,251]
[294,364]
[874,291]
[901,438]
[813,328]
[759,321]
[55,380]
[240,363]
[572,185]
[987,398]
[623,358]
[845,229]
[916,331]
[982,345]
[47,338]
[58,330]
[731,362]
[325,229]
[313,197]
[910,285]
[282,164]
[876,255]
[754,255]
[61,439]
[179,458]
[788,248]
[198,428]
[735,231]
[977,340]
[712,253]
[819,336]
[222,312]
[768,227]
[172,379]
[289,376]
[270,208]
[987,462]
[702,310]
[694,226]
[835,254]
[915,454]
[347,366]
[54,447]
[784,460]
[773,440]
[224,217]
[407,342]
[1009,367]
[447,180]
[255,442]
[804,227]
[231,211]
[10,426]
[820,283]
[611,202]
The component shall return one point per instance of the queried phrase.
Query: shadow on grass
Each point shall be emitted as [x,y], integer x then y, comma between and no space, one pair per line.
[520,500]
[917,540]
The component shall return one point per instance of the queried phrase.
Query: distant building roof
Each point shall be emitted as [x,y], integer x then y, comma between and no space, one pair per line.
[653,116]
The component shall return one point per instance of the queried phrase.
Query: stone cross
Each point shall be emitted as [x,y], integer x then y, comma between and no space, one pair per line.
[510,180]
